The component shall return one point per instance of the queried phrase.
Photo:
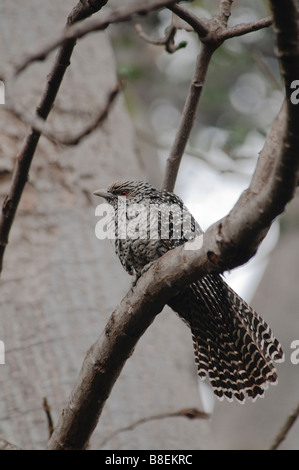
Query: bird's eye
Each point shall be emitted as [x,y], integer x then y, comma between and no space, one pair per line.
[123,193]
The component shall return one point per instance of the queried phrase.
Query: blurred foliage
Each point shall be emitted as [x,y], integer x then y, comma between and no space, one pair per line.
[243,90]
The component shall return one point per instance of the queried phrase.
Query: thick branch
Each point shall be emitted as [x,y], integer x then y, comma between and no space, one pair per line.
[102,366]
[106,358]
[201,27]
[286,20]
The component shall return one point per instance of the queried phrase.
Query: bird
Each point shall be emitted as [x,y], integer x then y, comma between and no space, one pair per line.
[233,346]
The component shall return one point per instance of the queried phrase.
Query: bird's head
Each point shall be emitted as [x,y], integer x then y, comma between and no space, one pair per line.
[128,189]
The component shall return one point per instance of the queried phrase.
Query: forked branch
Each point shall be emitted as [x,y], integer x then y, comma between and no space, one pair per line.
[211,34]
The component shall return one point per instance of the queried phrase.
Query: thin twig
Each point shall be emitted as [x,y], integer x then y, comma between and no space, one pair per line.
[5,445]
[47,131]
[188,116]
[257,56]
[211,36]
[47,410]
[190,413]
[98,120]
[245,28]
[281,436]
[167,41]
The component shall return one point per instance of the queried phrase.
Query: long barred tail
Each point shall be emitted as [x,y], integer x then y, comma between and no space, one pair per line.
[233,345]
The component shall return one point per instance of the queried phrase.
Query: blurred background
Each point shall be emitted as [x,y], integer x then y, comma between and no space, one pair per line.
[58,284]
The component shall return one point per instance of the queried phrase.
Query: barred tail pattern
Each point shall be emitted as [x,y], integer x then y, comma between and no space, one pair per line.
[233,345]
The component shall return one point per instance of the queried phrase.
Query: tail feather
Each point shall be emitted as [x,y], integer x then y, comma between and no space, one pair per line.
[233,345]
[258,328]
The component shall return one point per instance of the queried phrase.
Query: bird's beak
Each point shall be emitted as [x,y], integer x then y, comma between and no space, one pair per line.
[102,193]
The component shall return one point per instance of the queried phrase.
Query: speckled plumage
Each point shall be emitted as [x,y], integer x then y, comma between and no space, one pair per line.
[232,344]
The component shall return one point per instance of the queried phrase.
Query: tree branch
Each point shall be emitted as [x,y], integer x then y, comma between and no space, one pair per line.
[76,31]
[226,244]
[47,410]
[47,131]
[265,69]
[201,27]
[211,33]
[245,28]
[188,115]
[224,11]
[190,413]
[4,445]
[96,122]
[167,41]
[285,429]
